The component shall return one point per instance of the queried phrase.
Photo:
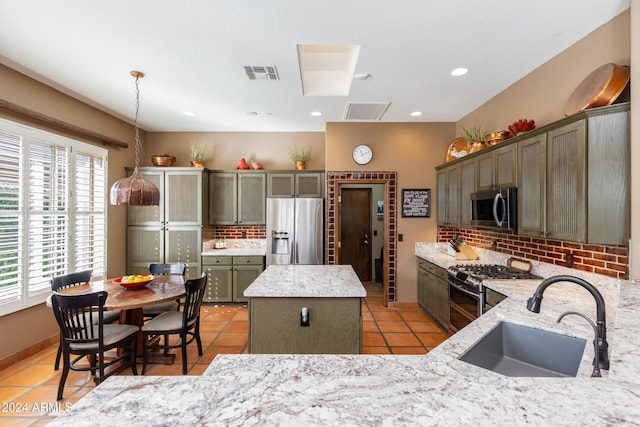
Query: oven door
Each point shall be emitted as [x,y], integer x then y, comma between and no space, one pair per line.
[464,306]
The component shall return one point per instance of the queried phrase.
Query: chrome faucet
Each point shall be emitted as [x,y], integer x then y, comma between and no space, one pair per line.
[533,305]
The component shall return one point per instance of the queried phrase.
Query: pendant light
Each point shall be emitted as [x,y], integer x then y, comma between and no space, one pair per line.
[135,190]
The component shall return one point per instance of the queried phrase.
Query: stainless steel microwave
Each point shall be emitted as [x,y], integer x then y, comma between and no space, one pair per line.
[495,209]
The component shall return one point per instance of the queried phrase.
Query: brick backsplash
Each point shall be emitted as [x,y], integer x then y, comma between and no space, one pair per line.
[233,232]
[608,260]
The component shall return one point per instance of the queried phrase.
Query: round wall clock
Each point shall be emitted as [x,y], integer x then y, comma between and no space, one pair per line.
[362,154]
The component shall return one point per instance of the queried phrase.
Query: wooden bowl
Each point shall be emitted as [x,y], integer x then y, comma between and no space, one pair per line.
[163,160]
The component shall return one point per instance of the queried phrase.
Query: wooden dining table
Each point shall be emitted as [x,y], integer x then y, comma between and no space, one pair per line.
[130,302]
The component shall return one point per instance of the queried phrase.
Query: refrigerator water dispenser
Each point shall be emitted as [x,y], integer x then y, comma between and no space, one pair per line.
[280,242]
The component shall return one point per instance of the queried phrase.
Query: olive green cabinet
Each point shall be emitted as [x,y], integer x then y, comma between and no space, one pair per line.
[574,179]
[229,276]
[295,184]
[335,326]
[449,196]
[467,186]
[237,198]
[172,231]
[497,168]
[433,291]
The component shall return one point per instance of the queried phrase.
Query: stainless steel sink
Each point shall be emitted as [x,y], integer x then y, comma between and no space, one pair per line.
[520,351]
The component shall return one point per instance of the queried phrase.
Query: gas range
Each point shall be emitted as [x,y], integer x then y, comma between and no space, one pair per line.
[467,295]
[472,275]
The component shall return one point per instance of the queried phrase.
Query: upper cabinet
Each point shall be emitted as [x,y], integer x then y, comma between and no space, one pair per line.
[574,179]
[181,195]
[497,168]
[449,196]
[295,184]
[237,198]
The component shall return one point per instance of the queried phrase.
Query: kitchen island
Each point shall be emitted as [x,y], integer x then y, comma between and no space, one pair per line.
[374,390]
[305,309]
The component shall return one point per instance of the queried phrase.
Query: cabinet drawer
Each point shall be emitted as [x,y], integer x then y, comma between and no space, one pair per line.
[247,260]
[217,260]
[440,273]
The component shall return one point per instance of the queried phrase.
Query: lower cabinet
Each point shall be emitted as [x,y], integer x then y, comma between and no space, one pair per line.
[433,291]
[334,327]
[229,276]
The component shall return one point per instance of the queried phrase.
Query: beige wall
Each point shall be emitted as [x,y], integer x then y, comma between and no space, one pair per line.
[411,149]
[37,323]
[225,149]
[542,94]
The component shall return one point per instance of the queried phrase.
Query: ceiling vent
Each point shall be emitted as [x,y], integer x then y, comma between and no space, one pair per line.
[261,73]
[365,110]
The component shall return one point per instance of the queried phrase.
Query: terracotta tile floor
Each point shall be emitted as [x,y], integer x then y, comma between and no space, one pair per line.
[28,389]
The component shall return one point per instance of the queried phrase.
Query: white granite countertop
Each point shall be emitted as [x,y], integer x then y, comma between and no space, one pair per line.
[388,390]
[316,281]
[236,247]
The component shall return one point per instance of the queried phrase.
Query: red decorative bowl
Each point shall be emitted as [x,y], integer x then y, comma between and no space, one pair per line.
[136,285]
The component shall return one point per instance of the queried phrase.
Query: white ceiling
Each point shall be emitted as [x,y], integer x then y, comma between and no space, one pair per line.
[193,53]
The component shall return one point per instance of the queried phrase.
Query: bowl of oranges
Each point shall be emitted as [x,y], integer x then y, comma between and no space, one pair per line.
[137,281]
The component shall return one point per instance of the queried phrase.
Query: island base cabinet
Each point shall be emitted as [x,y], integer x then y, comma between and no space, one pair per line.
[335,326]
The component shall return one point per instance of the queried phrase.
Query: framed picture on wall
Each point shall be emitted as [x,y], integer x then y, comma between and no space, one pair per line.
[416,203]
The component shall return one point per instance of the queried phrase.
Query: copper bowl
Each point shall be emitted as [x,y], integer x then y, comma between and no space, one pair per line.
[163,160]
[496,137]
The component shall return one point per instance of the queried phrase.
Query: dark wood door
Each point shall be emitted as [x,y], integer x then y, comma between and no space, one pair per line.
[355,230]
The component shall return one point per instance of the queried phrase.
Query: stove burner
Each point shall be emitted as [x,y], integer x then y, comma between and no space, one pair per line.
[494,271]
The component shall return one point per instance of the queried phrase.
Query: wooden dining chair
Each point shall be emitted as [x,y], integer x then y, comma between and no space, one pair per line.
[83,333]
[185,323]
[179,269]
[74,279]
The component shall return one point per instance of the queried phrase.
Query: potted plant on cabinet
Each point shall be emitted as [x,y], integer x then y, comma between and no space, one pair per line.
[300,156]
[198,155]
[475,135]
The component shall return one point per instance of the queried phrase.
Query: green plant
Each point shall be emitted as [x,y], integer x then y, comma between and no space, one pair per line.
[475,133]
[198,152]
[298,154]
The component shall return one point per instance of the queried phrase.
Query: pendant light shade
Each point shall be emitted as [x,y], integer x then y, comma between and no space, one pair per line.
[134,190]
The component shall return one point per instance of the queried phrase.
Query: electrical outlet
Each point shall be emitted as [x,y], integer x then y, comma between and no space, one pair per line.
[400,237]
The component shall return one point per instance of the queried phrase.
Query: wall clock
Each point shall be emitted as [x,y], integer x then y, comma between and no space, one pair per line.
[362,154]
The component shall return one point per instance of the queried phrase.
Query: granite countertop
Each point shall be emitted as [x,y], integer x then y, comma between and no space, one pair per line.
[434,389]
[236,247]
[316,281]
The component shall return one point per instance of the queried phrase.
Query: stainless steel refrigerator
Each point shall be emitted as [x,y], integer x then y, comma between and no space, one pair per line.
[295,231]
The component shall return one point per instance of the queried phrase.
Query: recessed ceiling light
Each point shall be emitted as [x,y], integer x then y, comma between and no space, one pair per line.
[189,113]
[316,113]
[416,114]
[361,76]
[460,71]
[251,113]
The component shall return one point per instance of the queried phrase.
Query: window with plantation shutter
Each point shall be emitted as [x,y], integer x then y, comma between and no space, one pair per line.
[52,212]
